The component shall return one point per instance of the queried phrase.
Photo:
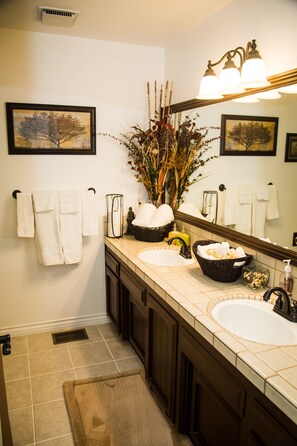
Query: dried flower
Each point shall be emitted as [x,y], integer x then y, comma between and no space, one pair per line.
[168,153]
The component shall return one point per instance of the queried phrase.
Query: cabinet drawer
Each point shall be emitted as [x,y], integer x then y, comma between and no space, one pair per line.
[135,288]
[112,263]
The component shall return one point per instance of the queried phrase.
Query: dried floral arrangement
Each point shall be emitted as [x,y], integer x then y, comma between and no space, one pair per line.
[169,152]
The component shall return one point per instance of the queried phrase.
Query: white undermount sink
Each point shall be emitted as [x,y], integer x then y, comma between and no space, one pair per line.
[164,257]
[255,321]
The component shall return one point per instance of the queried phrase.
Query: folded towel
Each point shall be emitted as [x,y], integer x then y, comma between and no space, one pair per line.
[230,206]
[70,201]
[71,226]
[25,216]
[261,192]
[272,207]
[245,194]
[89,213]
[44,200]
[48,228]
[162,216]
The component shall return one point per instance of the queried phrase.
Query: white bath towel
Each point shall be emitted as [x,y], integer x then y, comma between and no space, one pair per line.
[90,219]
[25,215]
[230,206]
[71,225]
[244,210]
[272,206]
[260,200]
[46,208]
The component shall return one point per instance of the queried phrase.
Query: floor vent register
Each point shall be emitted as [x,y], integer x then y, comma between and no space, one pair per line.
[69,336]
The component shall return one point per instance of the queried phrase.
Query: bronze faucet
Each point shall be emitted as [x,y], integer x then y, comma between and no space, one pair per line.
[283,305]
[185,250]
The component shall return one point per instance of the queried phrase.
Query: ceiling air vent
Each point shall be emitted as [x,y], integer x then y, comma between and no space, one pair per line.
[56,16]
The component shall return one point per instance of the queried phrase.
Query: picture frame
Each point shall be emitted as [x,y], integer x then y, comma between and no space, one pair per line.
[248,135]
[291,148]
[43,129]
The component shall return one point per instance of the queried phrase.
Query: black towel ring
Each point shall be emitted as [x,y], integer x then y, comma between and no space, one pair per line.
[15,193]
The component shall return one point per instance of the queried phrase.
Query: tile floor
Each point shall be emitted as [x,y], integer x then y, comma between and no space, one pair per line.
[36,369]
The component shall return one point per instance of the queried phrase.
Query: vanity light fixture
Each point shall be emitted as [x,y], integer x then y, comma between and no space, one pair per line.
[250,73]
[291,89]
[270,94]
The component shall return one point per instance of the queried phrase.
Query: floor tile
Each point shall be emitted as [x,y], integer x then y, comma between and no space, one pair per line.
[108,331]
[120,349]
[49,387]
[93,334]
[49,361]
[42,341]
[128,364]
[107,368]
[51,420]
[15,367]
[21,422]
[87,354]
[66,440]
[18,393]
[19,345]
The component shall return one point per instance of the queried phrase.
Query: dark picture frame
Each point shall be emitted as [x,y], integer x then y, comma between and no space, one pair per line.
[248,135]
[291,148]
[43,129]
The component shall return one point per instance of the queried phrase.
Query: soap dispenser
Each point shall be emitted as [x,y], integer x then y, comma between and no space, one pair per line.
[286,280]
[174,233]
[184,236]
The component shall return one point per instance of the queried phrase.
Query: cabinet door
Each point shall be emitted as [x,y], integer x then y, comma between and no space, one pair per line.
[113,298]
[133,313]
[212,423]
[162,346]
[267,430]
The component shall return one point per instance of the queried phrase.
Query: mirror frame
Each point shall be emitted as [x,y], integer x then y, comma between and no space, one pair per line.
[270,249]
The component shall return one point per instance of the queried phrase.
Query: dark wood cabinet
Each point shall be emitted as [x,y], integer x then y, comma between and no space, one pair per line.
[112,283]
[133,296]
[267,430]
[211,400]
[161,358]
[201,392]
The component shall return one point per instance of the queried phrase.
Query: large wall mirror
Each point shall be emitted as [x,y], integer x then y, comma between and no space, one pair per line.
[253,169]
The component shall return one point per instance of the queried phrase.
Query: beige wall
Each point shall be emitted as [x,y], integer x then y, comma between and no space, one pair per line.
[47,69]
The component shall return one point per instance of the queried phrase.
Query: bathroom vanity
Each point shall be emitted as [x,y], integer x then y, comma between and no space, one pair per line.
[211,384]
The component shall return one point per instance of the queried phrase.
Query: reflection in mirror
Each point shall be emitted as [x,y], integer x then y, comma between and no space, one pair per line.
[250,170]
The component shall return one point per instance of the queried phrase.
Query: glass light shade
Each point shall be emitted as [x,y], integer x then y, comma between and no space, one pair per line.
[291,89]
[209,88]
[247,99]
[270,94]
[253,74]
[229,81]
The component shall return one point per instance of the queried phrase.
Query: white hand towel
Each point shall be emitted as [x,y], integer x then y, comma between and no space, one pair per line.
[261,192]
[71,226]
[46,207]
[90,219]
[272,206]
[25,215]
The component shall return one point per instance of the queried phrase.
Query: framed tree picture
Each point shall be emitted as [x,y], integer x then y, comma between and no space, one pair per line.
[36,129]
[248,135]
[291,147]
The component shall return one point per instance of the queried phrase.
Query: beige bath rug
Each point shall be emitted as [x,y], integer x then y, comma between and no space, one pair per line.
[118,410]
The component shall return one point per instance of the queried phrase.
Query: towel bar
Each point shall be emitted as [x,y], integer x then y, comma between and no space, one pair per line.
[16,192]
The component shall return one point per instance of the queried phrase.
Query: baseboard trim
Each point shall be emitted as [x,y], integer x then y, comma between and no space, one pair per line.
[49,326]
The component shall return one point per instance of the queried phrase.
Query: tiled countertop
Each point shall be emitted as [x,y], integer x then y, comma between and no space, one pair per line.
[272,369]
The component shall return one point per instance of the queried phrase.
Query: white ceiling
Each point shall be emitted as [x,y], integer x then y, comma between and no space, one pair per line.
[144,22]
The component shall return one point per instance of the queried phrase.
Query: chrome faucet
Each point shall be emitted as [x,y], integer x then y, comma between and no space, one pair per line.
[282,305]
[185,250]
